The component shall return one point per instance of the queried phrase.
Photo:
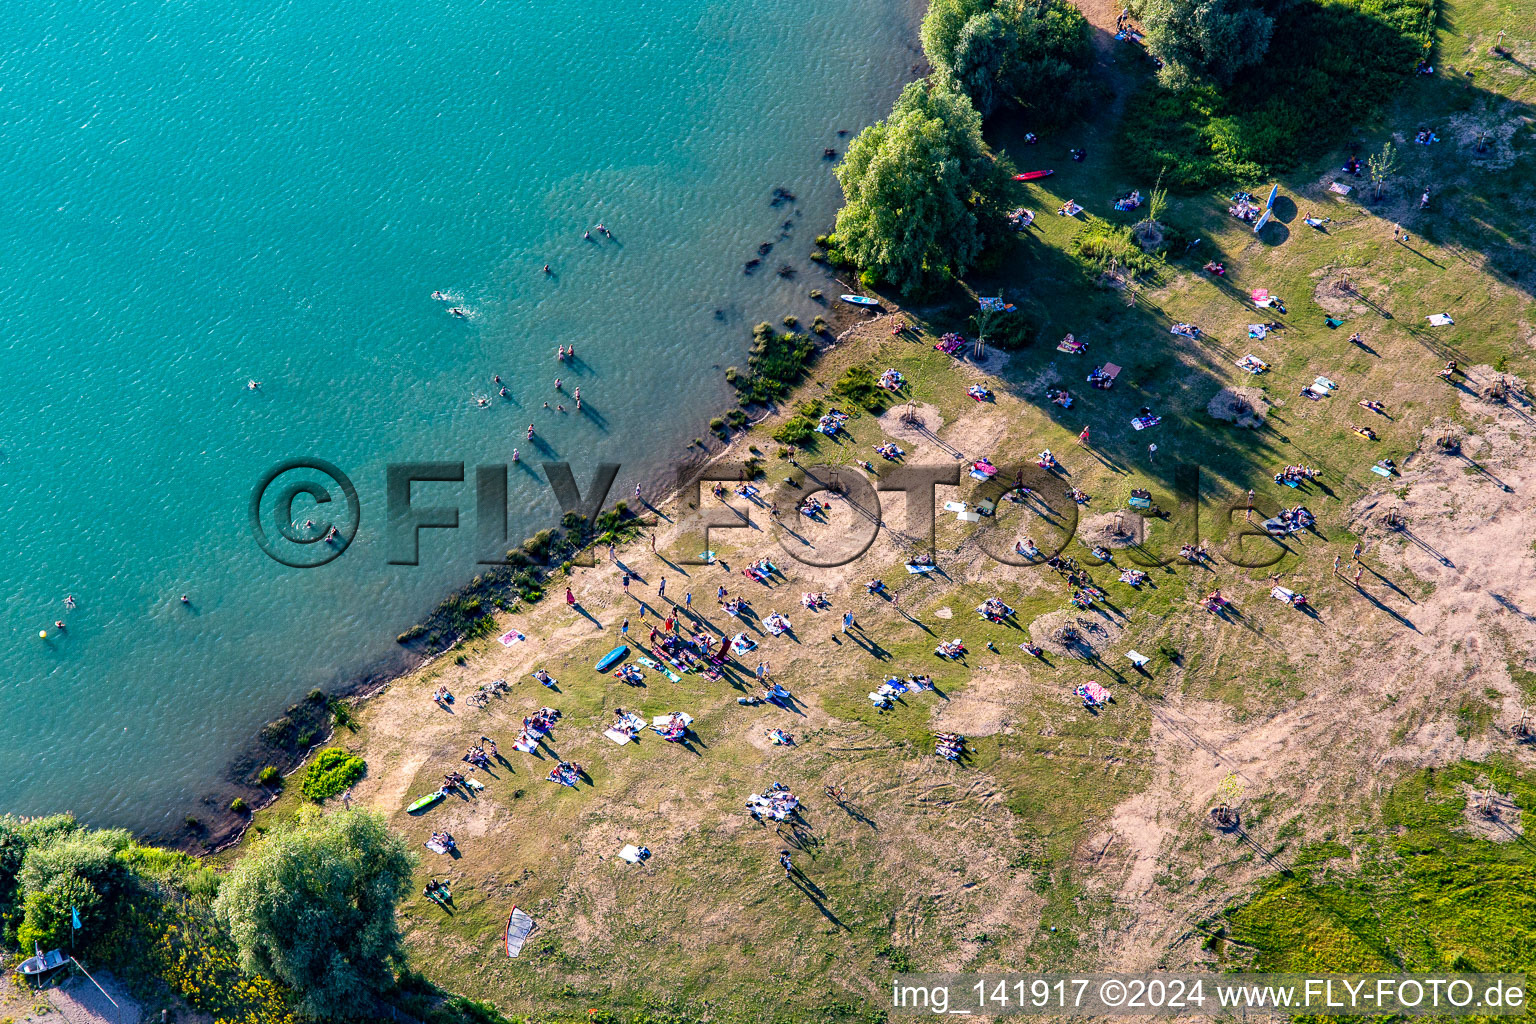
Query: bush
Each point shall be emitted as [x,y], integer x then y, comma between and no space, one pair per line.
[270,776]
[860,387]
[777,361]
[1344,57]
[237,805]
[332,771]
[1103,246]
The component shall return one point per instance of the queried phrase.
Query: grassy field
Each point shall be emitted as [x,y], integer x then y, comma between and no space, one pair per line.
[1065,838]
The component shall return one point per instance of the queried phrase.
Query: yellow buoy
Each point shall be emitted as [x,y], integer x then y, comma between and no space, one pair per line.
[43,633]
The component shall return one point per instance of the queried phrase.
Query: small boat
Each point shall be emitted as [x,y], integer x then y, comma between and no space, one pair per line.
[458,311]
[859,300]
[441,296]
[1033,175]
[612,658]
[425,802]
[42,963]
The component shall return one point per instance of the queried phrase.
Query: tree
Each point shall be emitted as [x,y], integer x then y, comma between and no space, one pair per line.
[1204,40]
[1031,54]
[917,186]
[1381,166]
[313,907]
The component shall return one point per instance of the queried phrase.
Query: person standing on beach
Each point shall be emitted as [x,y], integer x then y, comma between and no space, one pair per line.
[611,556]
[661,587]
[1250,504]
[847,621]
[688,601]
[624,581]
[570,598]
[624,629]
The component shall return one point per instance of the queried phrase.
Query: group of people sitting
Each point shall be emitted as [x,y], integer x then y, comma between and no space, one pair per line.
[1293,475]
[1060,396]
[994,610]
[1365,432]
[1212,267]
[950,343]
[535,727]
[441,696]
[630,674]
[1128,201]
[892,380]
[949,745]
[1046,460]
[979,393]
[478,755]
[776,624]
[889,451]
[441,842]
[831,422]
[760,570]
[566,773]
[676,728]
[1187,330]
[777,803]
[951,649]
[815,601]
[1020,218]
[1133,577]
[812,508]
[1425,136]
[1293,519]
[1085,596]
[1192,554]
[438,892]
[1101,380]
[1214,602]
[1244,209]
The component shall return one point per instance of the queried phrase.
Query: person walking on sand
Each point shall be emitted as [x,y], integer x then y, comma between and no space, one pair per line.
[786,859]
[624,582]
[688,601]
[661,587]
[848,622]
[570,598]
[624,628]
[1250,504]
[1151,452]
[1359,571]
[611,556]
[1356,552]
[346,798]
[1083,437]
[653,543]
[1336,563]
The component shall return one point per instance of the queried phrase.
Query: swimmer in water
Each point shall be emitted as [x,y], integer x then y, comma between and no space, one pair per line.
[546,405]
[586,236]
[557,383]
[578,398]
[496,378]
[505,393]
[605,231]
[185,599]
[515,456]
[253,385]
[530,431]
[560,408]
[482,401]
[547,270]
[69,600]
[58,624]
[560,354]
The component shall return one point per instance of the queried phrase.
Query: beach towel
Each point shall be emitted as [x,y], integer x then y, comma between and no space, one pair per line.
[1382,471]
[435,846]
[618,737]
[1333,323]
[1138,659]
[1324,382]
[511,637]
[1259,295]
[527,746]
[1092,694]
[968,517]
[913,570]
[1290,482]
[954,506]
[630,853]
[1110,370]
[1143,422]
[661,721]
[1253,364]
[986,507]
[1071,209]
[1439,320]
[708,557]
[552,680]
[1340,188]
[1257,330]
[1281,594]
[474,784]
[977,474]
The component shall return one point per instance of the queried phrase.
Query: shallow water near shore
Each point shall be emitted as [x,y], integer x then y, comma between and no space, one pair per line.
[201,195]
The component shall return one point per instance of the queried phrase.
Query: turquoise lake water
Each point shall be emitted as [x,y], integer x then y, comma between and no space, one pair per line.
[198,194]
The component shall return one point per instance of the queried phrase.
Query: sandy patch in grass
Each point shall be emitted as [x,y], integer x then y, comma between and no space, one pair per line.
[1246,407]
[1492,816]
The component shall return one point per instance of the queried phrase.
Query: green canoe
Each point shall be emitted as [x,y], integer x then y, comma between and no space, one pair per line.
[425,802]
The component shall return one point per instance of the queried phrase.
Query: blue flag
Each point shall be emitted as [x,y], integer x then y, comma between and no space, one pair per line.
[75,915]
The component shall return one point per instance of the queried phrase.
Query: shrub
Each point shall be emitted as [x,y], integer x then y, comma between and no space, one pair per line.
[270,776]
[777,361]
[237,805]
[1103,246]
[861,388]
[332,771]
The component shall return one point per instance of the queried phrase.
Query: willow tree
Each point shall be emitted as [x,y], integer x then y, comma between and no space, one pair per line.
[917,185]
[313,907]
[1029,54]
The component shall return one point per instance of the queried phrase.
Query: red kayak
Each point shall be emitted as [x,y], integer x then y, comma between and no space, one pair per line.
[1032,175]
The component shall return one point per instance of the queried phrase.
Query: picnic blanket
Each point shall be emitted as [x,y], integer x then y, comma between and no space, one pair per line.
[1382,471]
[968,517]
[1281,594]
[1071,345]
[662,721]
[1253,364]
[741,644]
[1324,382]
[1257,330]
[630,853]
[954,506]
[1340,188]
[511,637]
[527,746]
[1093,694]
[648,663]
[617,736]
[1071,209]
[435,846]
[1143,422]
[1439,320]
[915,569]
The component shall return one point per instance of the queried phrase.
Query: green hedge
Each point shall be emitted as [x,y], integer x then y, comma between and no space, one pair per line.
[332,771]
[1330,67]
